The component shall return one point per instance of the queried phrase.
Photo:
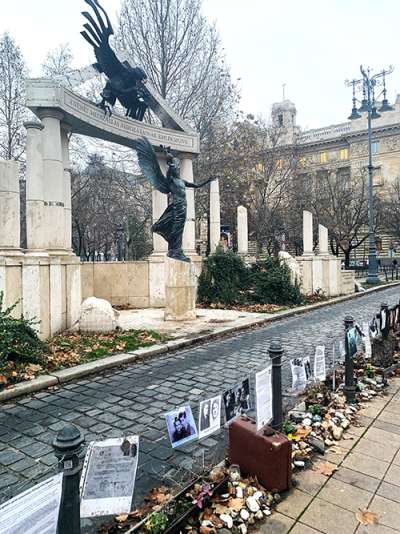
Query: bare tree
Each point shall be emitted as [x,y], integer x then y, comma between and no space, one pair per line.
[254,170]
[105,203]
[12,109]
[58,62]
[182,56]
[341,204]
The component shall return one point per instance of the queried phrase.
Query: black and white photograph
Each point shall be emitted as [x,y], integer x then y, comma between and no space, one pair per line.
[299,377]
[237,400]
[307,367]
[209,416]
[181,426]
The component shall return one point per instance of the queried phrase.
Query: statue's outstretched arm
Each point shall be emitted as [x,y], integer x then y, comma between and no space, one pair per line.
[201,184]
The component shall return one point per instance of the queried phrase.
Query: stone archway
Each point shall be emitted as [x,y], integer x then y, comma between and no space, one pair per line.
[47,275]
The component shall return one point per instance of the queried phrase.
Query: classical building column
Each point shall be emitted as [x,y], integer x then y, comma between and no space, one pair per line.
[189,234]
[36,231]
[307,233]
[53,180]
[323,240]
[65,133]
[215,216]
[10,233]
[242,230]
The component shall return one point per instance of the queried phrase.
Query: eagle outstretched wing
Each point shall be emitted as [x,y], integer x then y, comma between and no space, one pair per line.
[97,34]
[149,165]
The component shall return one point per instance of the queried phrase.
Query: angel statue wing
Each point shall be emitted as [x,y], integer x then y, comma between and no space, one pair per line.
[149,165]
[98,34]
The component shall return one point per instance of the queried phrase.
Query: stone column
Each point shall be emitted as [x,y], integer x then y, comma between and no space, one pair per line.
[9,209]
[324,252]
[189,234]
[36,231]
[53,180]
[215,216]
[307,233]
[323,240]
[159,205]
[242,230]
[160,247]
[65,133]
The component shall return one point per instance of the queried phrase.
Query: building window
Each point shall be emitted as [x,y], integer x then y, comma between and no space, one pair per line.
[260,167]
[280,120]
[344,153]
[375,147]
[323,157]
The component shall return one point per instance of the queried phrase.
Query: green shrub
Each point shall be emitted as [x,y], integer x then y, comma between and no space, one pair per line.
[271,283]
[18,340]
[224,279]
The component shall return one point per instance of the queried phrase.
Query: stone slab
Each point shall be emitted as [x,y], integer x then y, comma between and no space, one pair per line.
[366,464]
[294,503]
[356,479]
[389,491]
[329,518]
[25,388]
[345,495]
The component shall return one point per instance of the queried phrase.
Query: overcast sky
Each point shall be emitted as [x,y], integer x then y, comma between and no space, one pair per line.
[311,45]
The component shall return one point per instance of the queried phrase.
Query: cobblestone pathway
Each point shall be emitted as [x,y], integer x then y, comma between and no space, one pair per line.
[133,400]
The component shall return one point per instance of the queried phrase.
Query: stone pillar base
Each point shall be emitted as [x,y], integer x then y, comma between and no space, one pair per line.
[180,290]
[157,280]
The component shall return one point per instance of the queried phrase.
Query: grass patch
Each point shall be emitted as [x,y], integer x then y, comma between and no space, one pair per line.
[69,349]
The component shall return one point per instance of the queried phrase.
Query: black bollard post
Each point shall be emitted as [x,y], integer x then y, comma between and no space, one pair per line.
[275,353]
[67,446]
[349,387]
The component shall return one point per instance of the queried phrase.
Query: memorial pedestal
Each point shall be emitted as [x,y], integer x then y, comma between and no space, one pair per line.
[180,290]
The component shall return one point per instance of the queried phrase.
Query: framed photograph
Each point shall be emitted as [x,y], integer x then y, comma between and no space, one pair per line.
[237,400]
[209,416]
[181,426]
[299,377]
[108,476]
[264,396]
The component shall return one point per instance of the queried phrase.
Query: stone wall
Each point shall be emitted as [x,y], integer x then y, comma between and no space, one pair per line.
[121,283]
[46,289]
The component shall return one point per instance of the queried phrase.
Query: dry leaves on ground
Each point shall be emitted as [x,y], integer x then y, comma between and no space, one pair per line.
[336,449]
[303,432]
[325,468]
[365,517]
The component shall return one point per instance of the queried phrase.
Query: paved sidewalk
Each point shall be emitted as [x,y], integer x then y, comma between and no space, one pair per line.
[368,478]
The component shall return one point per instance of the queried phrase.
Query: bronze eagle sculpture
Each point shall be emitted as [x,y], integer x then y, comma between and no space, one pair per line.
[124,82]
[172,222]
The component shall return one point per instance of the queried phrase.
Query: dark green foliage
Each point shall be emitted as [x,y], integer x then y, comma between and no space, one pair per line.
[271,283]
[224,279]
[18,340]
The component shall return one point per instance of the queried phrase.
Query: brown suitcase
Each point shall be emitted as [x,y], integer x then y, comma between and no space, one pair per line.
[267,457]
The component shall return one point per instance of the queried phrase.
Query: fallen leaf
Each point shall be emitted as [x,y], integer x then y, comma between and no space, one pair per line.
[366,517]
[336,449]
[122,518]
[325,468]
[221,509]
[303,432]
[236,504]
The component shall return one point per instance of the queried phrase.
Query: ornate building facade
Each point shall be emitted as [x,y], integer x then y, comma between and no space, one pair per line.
[343,149]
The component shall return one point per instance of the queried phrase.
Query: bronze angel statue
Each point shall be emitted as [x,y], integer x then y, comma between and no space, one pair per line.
[172,222]
[124,81]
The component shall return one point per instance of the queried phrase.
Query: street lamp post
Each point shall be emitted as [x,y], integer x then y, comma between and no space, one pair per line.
[368,104]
